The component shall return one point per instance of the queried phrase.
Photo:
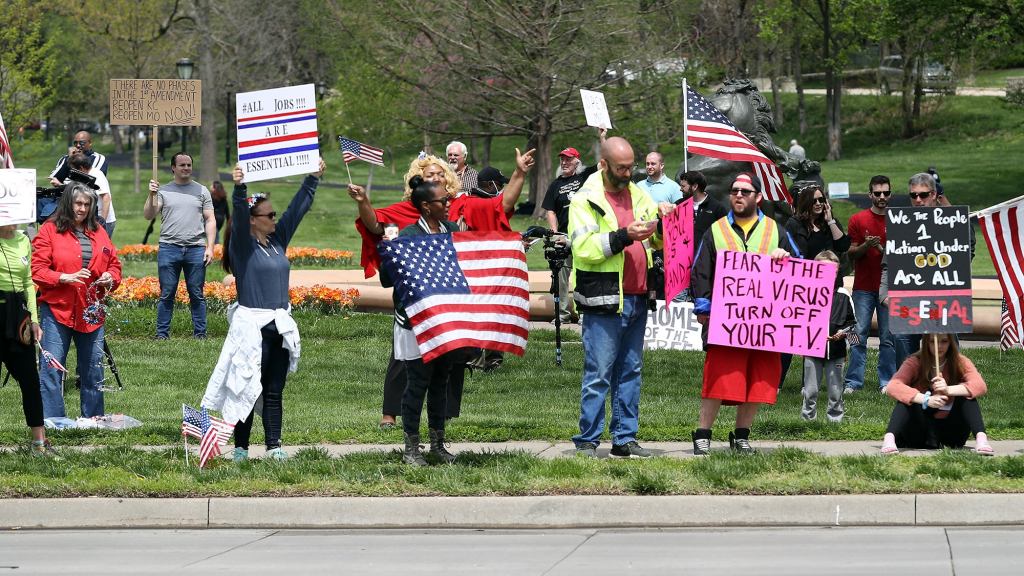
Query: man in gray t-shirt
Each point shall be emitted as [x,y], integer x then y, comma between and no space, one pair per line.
[188,231]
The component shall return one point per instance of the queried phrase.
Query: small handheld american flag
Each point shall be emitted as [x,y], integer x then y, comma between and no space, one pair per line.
[352,150]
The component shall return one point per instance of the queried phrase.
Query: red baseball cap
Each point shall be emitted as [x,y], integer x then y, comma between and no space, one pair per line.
[570,152]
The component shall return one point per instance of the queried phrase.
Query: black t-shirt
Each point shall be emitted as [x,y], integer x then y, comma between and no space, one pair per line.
[560,193]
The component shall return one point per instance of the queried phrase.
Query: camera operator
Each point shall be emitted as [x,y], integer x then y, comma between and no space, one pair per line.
[83,142]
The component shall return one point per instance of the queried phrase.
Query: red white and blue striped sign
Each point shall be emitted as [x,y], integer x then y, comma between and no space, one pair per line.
[277,132]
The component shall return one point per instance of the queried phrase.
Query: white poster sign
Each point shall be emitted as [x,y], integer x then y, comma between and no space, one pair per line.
[595,109]
[17,196]
[672,328]
[838,189]
[277,132]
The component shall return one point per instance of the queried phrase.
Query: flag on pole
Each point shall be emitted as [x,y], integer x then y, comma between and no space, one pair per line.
[1008,335]
[352,150]
[6,157]
[711,133]
[1003,227]
[462,290]
[210,430]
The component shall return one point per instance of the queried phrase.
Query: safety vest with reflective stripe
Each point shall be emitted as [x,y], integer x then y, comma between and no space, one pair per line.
[763,237]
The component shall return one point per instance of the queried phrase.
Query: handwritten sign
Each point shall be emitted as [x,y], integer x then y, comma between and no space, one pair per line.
[156,102]
[277,132]
[679,247]
[838,189]
[761,304]
[672,329]
[928,251]
[595,109]
[17,196]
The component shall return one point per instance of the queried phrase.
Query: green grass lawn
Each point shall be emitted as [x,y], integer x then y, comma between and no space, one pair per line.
[995,78]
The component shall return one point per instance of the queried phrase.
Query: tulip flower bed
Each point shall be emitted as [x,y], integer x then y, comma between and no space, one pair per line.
[300,255]
[146,291]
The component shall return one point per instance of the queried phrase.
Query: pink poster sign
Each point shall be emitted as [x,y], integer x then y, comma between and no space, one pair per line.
[679,248]
[779,306]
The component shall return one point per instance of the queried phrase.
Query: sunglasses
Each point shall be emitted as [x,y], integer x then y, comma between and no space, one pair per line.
[741,191]
[80,142]
[919,195]
[882,193]
[445,200]
[271,215]
[820,201]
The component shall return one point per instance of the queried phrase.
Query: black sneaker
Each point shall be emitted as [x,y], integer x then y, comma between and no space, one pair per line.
[701,446]
[740,445]
[587,450]
[630,450]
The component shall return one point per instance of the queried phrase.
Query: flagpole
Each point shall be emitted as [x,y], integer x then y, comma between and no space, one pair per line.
[986,211]
[685,168]
[349,173]
[184,438]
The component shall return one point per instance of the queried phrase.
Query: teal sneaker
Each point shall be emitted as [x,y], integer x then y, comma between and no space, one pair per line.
[43,449]
[277,454]
[240,455]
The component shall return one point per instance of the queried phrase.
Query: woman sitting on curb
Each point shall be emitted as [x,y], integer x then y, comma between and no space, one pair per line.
[929,412]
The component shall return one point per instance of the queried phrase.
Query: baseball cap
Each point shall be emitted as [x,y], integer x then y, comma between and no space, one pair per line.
[491,174]
[570,152]
[749,179]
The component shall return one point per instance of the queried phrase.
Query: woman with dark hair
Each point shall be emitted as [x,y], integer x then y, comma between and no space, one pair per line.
[936,392]
[19,320]
[262,344]
[221,210]
[423,379]
[74,264]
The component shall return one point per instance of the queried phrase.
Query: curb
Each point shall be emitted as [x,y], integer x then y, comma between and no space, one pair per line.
[517,512]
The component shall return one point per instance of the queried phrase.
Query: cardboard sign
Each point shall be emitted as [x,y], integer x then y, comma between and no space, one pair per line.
[674,328]
[928,251]
[838,189]
[156,102]
[277,132]
[595,109]
[679,247]
[17,196]
[781,306]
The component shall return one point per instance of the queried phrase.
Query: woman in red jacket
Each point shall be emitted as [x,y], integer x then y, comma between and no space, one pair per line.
[74,264]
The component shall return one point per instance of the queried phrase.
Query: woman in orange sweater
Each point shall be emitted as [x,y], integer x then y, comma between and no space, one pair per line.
[930,412]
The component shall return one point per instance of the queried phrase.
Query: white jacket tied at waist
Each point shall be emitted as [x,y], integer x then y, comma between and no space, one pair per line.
[235,384]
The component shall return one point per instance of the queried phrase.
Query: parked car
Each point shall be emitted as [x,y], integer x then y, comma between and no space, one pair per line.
[936,78]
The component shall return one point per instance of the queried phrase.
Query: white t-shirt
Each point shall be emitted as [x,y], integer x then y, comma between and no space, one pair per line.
[104,185]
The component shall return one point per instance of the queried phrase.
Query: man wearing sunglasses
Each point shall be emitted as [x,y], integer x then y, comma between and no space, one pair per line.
[867,241]
[82,141]
[738,377]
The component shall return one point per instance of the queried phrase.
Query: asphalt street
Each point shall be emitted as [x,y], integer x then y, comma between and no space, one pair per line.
[784,551]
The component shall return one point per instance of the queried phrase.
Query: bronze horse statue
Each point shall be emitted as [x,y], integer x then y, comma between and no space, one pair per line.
[748,110]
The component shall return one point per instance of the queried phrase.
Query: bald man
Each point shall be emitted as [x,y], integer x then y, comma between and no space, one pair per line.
[660,187]
[82,141]
[613,225]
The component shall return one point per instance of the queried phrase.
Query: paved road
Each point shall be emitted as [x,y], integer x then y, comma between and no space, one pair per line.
[786,551]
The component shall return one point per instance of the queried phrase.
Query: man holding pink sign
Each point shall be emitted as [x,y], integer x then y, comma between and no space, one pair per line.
[741,365]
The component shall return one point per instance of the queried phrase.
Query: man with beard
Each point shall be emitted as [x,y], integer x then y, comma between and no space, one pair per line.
[457,154]
[741,377]
[867,241]
[612,224]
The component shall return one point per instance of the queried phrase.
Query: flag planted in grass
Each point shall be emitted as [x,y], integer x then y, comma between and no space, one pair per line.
[209,430]
[462,290]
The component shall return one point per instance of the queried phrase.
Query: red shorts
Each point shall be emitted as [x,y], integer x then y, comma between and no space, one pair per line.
[739,375]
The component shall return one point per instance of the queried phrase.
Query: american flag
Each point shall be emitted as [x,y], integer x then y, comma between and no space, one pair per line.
[1008,335]
[210,430]
[466,289]
[1003,226]
[711,133]
[352,150]
[47,358]
[6,157]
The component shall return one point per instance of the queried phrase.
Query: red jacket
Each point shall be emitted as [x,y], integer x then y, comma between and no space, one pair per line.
[54,254]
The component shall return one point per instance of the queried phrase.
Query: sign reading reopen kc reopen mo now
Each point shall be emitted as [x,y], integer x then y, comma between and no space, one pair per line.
[156,102]
[928,253]
[779,306]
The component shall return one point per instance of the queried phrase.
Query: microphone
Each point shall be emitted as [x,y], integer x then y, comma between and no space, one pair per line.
[537,232]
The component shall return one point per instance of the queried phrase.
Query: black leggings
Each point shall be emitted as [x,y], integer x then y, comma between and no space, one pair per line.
[274,372]
[917,428]
[396,377]
[20,361]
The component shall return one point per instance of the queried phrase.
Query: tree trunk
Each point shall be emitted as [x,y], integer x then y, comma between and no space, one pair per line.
[776,101]
[118,141]
[542,169]
[798,80]
[835,124]
[833,85]
[907,95]
[486,150]
[208,129]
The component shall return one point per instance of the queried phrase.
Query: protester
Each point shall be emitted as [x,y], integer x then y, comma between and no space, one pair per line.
[706,209]
[74,264]
[423,379]
[658,185]
[867,241]
[221,208]
[830,367]
[813,230]
[930,413]
[188,232]
[612,223]
[263,338]
[735,376]
[457,154]
[105,209]
[83,142]
[20,320]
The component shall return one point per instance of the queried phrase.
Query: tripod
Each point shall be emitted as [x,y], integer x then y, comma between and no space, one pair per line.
[556,265]
[112,364]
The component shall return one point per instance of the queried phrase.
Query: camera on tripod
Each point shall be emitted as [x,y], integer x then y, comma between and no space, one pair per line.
[556,247]
[46,198]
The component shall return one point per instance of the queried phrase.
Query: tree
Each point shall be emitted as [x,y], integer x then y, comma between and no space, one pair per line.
[30,65]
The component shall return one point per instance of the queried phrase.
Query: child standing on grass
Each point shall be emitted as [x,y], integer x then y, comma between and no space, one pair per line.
[830,367]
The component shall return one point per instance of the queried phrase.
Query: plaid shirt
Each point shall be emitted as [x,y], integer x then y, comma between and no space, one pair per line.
[467,181]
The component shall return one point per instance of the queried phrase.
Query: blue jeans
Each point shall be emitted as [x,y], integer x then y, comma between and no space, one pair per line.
[906,344]
[612,359]
[171,260]
[865,304]
[57,341]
